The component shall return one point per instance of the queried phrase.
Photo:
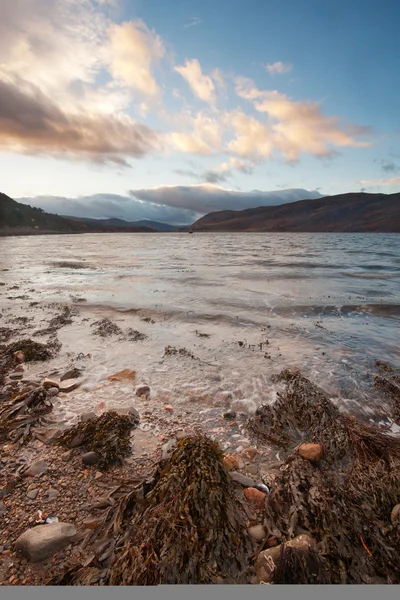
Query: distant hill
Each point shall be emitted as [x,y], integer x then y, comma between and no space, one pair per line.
[22,219]
[121,223]
[354,212]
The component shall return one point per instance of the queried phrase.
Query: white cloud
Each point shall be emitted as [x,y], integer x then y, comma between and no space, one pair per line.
[205,137]
[193,22]
[201,85]
[278,68]
[393,181]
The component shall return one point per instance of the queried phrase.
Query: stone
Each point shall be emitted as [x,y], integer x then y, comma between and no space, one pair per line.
[69,385]
[90,458]
[395,515]
[311,452]
[229,415]
[66,456]
[88,416]
[242,479]
[257,532]
[249,453]
[230,462]
[49,436]
[130,411]
[3,508]
[52,392]
[142,390]
[269,559]
[98,475]
[36,468]
[272,542]
[51,494]
[20,356]
[125,375]
[32,494]
[49,383]
[255,497]
[77,440]
[169,408]
[72,374]
[42,542]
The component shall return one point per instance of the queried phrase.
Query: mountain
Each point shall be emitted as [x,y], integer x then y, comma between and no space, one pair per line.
[22,219]
[121,223]
[354,212]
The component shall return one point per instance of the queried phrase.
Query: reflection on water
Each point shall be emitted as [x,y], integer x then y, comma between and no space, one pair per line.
[327,303]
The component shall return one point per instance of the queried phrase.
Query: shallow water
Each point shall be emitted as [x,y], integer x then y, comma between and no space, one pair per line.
[328,304]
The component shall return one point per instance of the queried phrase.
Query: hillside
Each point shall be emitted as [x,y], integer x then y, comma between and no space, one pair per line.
[354,212]
[22,219]
[121,223]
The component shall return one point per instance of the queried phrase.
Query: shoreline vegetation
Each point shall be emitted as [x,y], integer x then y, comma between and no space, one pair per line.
[83,506]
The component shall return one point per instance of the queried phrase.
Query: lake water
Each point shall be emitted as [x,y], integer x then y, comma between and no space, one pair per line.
[328,304]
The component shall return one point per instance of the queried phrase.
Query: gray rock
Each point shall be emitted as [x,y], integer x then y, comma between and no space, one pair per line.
[77,440]
[36,468]
[73,374]
[257,532]
[88,416]
[53,391]
[242,479]
[50,435]
[51,494]
[90,458]
[32,494]
[42,542]
[66,456]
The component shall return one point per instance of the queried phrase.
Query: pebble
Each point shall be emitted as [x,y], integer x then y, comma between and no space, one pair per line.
[311,452]
[168,408]
[51,494]
[230,462]
[90,458]
[36,468]
[255,497]
[249,453]
[252,469]
[53,391]
[88,416]
[3,508]
[257,532]
[229,415]
[32,494]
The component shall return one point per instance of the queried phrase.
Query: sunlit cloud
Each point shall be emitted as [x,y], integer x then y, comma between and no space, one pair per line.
[193,22]
[393,181]
[278,68]
[201,85]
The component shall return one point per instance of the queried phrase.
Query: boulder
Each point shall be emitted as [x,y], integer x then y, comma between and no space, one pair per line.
[90,458]
[269,559]
[311,452]
[42,542]
[255,497]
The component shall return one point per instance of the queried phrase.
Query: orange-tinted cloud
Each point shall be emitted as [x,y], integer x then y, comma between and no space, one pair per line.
[201,85]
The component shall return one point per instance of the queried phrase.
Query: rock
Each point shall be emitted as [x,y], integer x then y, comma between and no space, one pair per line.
[242,479]
[49,436]
[98,475]
[36,468]
[272,542]
[169,408]
[20,356]
[19,369]
[230,462]
[88,416]
[66,456]
[229,415]
[312,452]
[257,532]
[72,374]
[77,440]
[51,494]
[252,469]
[69,385]
[53,391]
[42,542]
[130,411]
[49,383]
[142,390]
[32,494]
[255,497]
[16,376]
[90,458]
[167,449]
[125,375]
[395,514]
[249,453]
[3,508]
[269,559]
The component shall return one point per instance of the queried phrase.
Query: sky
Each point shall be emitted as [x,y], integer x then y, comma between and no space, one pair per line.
[170,109]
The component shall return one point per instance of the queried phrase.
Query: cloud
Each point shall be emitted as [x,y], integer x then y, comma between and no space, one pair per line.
[238,165]
[201,85]
[251,138]
[103,206]
[205,137]
[277,68]
[388,166]
[393,181]
[294,127]
[193,22]
[31,123]
[133,50]
[208,198]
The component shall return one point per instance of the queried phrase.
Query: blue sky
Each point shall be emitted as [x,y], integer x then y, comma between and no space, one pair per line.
[157,108]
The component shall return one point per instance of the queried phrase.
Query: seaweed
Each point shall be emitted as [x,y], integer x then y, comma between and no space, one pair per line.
[21,413]
[107,435]
[389,381]
[194,527]
[297,567]
[171,350]
[106,328]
